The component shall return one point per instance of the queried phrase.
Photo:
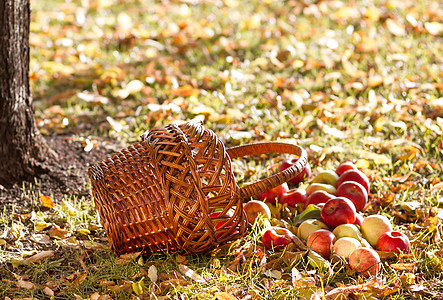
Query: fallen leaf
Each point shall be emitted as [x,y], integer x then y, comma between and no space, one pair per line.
[224,296]
[185,91]
[58,233]
[68,206]
[434,28]
[94,245]
[408,267]
[48,292]
[138,287]
[399,177]
[395,27]
[79,280]
[16,231]
[350,69]
[25,284]
[378,159]
[152,273]
[191,274]
[41,238]
[437,186]
[40,256]
[126,258]
[46,201]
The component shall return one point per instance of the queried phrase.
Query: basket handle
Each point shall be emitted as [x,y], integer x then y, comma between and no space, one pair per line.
[276,179]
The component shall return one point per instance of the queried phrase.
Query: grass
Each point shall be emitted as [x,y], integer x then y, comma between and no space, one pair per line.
[345,80]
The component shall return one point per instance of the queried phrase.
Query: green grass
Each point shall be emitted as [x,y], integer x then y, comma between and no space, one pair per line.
[262,70]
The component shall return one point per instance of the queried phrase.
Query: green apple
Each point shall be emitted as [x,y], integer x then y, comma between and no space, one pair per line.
[326,177]
[347,230]
[309,226]
[320,187]
[374,226]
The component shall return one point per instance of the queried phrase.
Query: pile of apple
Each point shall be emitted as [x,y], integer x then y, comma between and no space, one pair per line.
[339,229]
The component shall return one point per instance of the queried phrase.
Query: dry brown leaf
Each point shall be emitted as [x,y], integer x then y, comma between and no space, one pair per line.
[224,296]
[181,259]
[79,280]
[41,238]
[94,296]
[40,256]
[25,284]
[58,233]
[126,258]
[46,201]
[399,177]
[408,267]
[48,292]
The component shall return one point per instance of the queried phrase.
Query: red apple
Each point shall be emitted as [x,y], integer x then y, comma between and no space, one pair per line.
[394,241]
[354,175]
[254,208]
[373,227]
[345,166]
[355,192]
[271,195]
[321,241]
[222,220]
[338,211]
[318,197]
[293,197]
[358,219]
[365,261]
[276,237]
[305,174]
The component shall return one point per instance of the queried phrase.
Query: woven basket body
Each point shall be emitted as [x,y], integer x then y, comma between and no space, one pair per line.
[175,191]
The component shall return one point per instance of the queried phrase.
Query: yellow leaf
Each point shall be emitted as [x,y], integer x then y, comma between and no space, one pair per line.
[362,163]
[17,231]
[94,245]
[379,159]
[138,287]
[46,201]
[350,69]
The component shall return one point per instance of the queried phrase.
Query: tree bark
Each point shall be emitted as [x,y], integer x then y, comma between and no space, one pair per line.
[22,148]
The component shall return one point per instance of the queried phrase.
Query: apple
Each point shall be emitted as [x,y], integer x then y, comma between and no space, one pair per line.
[347,230]
[293,197]
[365,261]
[358,219]
[309,226]
[354,175]
[321,241]
[338,211]
[345,166]
[318,197]
[271,195]
[302,176]
[320,187]
[326,177]
[276,237]
[373,227]
[254,208]
[345,246]
[355,192]
[222,223]
[394,241]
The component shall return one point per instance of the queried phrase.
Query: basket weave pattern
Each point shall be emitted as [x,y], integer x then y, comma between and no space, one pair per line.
[161,193]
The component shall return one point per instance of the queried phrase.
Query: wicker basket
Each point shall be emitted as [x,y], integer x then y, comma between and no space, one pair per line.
[175,190]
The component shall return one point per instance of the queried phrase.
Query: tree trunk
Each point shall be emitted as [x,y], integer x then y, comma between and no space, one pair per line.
[22,148]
